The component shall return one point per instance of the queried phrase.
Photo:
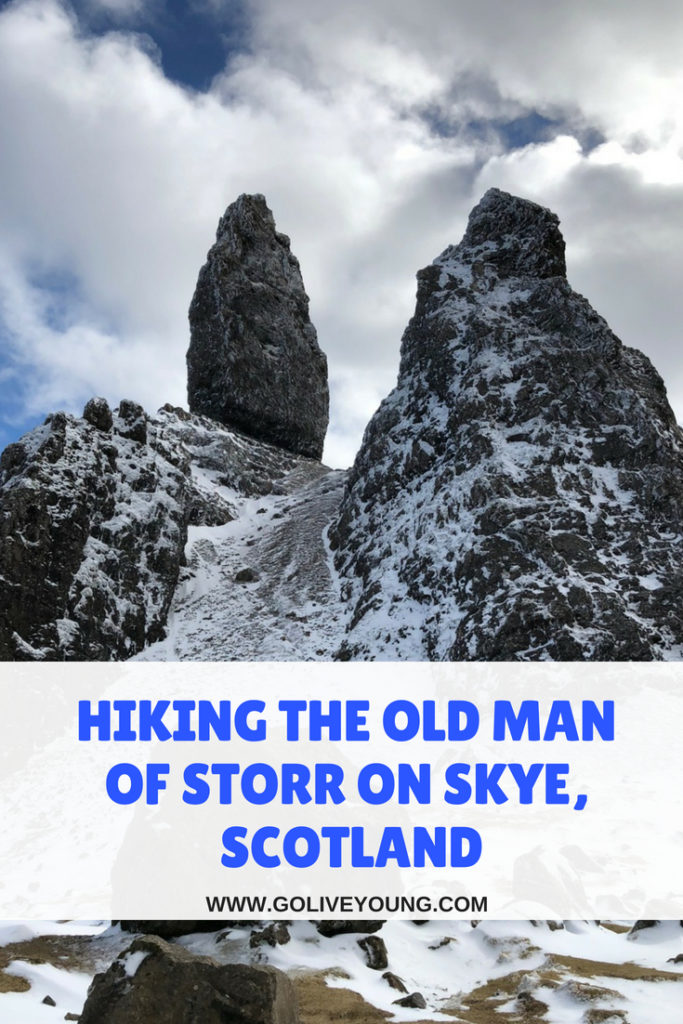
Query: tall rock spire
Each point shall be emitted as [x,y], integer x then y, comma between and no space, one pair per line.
[254,361]
[519,495]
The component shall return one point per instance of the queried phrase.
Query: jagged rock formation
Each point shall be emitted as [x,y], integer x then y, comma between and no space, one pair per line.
[93,527]
[94,519]
[156,981]
[519,495]
[254,361]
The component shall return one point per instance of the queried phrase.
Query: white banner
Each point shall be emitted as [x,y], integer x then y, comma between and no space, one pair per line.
[341,790]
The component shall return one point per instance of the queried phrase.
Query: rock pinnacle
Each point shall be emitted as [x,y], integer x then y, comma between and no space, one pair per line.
[254,362]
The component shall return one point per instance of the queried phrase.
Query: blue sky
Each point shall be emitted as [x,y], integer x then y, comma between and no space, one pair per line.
[372,128]
[194,41]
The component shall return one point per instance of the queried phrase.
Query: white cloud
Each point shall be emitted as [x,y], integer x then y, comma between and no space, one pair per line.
[354,120]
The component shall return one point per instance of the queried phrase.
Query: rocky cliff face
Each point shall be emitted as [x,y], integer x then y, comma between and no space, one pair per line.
[94,520]
[519,495]
[254,361]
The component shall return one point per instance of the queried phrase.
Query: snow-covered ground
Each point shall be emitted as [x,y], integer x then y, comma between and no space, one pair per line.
[497,971]
[288,609]
[79,949]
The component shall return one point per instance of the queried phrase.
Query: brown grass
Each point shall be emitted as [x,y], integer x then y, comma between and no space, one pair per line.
[321,1004]
[13,983]
[601,969]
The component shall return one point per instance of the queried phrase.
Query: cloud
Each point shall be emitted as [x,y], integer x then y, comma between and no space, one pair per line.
[117,8]
[371,129]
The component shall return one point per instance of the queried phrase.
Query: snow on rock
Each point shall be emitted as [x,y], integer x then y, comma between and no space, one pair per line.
[92,528]
[519,495]
[497,970]
[269,567]
[173,986]
[94,523]
[468,971]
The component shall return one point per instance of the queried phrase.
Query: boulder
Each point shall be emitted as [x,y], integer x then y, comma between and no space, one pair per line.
[98,414]
[330,928]
[154,982]
[174,929]
[375,951]
[415,1001]
[274,934]
[393,981]
[132,421]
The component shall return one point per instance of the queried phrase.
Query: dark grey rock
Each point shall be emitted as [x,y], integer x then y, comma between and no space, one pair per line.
[375,951]
[254,361]
[639,926]
[48,1001]
[274,934]
[132,421]
[174,929]
[92,535]
[93,525]
[414,1001]
[246,575]
[394,981]
[331,928]
[173,986]
[519,495]
[98,414]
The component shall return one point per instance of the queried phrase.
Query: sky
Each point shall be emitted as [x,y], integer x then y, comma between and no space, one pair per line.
[372,128]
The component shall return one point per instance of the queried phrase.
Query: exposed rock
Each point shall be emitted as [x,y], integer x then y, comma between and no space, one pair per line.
[331,928]
[375,952]
[519,495]
[678,959]
[174,929]
[133,421]
[48,1001]
[414,1001]
[530,1007]
[583,992]
[394,981]
[98,414]
[274,934]
[639,926]
[92,532]
[254,361]
[597,1016]
[154,982]
[93,523]
[246,575]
